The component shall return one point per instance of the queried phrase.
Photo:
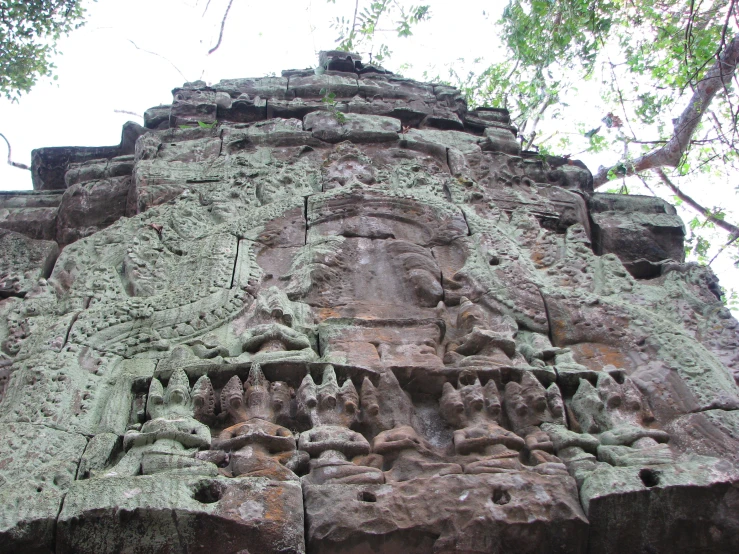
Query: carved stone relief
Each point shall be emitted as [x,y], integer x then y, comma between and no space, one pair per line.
[389,332]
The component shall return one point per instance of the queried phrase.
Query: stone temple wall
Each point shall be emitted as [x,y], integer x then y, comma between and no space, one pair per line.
[337,311]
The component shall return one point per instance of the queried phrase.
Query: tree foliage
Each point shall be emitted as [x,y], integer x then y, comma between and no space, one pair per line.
[360,32]
[663,74]
[28,35]
[659,74]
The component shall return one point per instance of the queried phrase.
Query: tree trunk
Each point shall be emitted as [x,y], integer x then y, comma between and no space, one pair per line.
[718,77]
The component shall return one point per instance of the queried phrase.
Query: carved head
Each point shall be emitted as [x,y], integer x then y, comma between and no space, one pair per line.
[232,399]
[370,403]
[272,337]
[281,396]
[609,391]
[203,398]
[492,400]
[422,271]
[174,401]
[328,403]
[470,315]
[633,409]
[256,395]
[472,393]
[556,404]
[178,389]
[275,305]
[589,409]
[349,399]
[526,403]
[307,395]
[632,397]
[452,406]
[155,399]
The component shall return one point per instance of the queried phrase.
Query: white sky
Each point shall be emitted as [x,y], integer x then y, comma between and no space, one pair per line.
[100,71]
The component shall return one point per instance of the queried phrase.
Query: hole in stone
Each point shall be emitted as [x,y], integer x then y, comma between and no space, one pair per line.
[39,489]
[366,496]
[494,260]
[208,492]
[649,477]
[501,497]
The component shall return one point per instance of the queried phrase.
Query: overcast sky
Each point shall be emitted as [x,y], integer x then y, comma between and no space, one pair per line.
[101,70]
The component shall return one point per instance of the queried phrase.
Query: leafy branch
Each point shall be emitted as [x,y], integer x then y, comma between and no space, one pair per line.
[685,126]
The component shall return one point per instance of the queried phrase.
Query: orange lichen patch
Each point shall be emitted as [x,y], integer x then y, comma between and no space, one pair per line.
[275,503]
[560,329]
[328,313]
[596,356]
[537,256]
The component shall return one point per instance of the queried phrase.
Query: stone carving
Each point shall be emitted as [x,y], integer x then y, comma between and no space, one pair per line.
[389,331]
[255,445]
[330,443]
[476,410]
[171,438]
[616,414]
[527,409]
[478,344]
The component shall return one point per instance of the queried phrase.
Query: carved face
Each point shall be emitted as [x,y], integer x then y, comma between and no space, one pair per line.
[350,401]
[281,395]
[526,404]
[536,399]
[258,402]
[590,409]
[177,396]
[609,391]
[556,404]
[232,396]
[472,398]
[327,398]
[422,271]
[470,316]
[452,406]
[632,397]
[492,401]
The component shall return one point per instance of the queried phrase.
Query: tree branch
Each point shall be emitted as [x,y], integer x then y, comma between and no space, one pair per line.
[548,99]
[725,225]
[223,26]
[158,56]
[10,160]
[718,77]
[724,247]
[127,112]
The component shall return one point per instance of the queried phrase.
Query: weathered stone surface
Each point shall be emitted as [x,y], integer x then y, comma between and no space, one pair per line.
[37,467]
[353,127]
[90,206]
[639,229]
[181,513]
[525,512]
[501,140]
[31,213]
[49,165]
[24,262]
[337,307]
[649,507]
